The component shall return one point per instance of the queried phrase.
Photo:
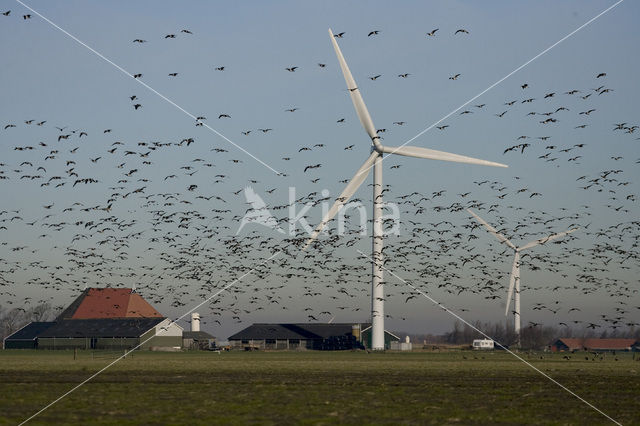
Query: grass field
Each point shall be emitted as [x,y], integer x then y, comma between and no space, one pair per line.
[317,388]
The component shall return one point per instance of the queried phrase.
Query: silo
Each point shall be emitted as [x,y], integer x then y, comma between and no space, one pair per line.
[195,321]
[355,331]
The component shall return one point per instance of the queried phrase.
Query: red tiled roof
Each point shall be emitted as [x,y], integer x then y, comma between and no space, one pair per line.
[112,303]
[594,344]
[138,307]
[609,343]
[572,344]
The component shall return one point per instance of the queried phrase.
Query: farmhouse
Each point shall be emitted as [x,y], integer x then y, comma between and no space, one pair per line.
[301,336]
[101,318]
[570,345]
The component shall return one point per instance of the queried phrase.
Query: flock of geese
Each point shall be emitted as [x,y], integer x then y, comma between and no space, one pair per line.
[170,233]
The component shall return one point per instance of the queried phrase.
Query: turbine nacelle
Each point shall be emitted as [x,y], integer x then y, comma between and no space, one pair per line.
[377,145]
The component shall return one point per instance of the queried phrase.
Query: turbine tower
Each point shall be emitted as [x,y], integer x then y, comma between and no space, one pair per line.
[514,280]
[375,161]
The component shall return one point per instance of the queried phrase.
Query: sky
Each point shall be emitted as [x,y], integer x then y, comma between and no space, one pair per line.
[144,224]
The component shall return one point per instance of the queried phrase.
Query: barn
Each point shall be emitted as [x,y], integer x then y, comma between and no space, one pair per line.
[592,344]
[111,333]
[101,318]
[296,337]
[305,336]
[198,340]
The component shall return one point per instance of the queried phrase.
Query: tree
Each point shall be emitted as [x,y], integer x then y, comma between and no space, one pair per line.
[11,321]
[16,318]
[40,312]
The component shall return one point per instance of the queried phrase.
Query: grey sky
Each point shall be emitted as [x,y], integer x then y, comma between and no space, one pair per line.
[47,76]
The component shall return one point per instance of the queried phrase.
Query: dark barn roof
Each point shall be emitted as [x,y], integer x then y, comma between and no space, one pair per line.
[197,335]
[30,331]
[308,331]
[102,327]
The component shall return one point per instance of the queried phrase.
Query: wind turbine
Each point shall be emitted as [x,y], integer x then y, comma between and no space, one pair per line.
[375,160]
[514,280]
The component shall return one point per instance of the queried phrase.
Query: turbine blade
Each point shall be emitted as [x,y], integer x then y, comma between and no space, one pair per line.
[354,92]
[346,194]
[493,230]
[515,274]
[546,239]
[432,154]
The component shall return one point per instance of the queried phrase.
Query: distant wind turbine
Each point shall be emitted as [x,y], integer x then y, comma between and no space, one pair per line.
[514,280]
[375,160]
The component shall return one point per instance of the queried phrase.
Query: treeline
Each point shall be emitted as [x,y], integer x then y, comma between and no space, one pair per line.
[14,319]
[531,337]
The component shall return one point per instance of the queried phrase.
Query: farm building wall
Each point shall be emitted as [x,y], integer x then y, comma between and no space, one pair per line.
[116,342]
[150,339]
[64,343]
[27,336]
[388,338]
[332,344]
[162,341]
[168,328]
[108,342]
[274,344]
[193,344]
[21,344]
[190,344]
[197,340]
[87,342]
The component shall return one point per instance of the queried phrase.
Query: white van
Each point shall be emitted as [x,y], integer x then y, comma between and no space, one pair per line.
[482,344]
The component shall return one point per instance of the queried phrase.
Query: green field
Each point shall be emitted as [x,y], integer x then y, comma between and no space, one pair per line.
[317,388]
